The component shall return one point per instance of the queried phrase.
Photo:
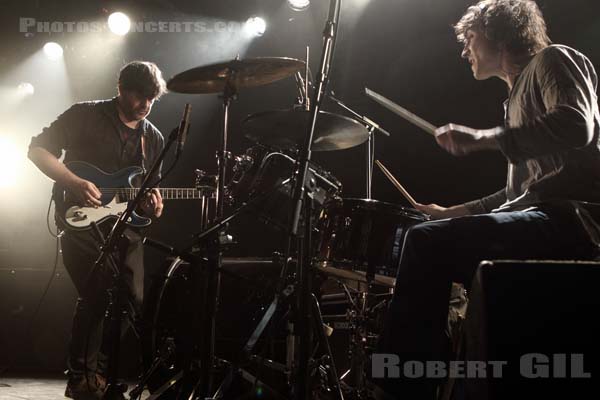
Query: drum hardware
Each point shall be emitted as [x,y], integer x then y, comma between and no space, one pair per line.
[371,128]
[260,171]
[226,78]
[207,187]
[303,99]
[169,342]
[363,307]
[306,305]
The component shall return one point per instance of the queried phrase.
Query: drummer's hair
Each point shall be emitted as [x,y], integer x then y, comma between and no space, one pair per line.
[143,77]
[517,25]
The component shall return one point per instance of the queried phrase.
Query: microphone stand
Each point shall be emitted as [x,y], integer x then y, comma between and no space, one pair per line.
[304,297]
[118,289]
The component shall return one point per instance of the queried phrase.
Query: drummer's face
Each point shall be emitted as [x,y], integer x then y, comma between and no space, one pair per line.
[483,55]
[134,105]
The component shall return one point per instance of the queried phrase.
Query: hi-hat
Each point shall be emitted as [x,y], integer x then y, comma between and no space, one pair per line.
[286,129]
[237,73]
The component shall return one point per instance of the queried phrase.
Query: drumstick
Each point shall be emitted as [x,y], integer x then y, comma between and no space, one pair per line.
[389,175]
[403,112]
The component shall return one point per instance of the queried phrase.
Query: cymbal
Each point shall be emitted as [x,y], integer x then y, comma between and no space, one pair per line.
[240,73]
[286,129]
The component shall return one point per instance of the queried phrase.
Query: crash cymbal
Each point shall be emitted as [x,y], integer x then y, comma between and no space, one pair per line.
[241,74]
[286,129]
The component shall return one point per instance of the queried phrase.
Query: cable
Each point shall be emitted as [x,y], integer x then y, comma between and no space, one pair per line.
[58,233]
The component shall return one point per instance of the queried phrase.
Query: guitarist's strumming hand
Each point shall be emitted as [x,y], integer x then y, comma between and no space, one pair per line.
[86,193]
[153,203]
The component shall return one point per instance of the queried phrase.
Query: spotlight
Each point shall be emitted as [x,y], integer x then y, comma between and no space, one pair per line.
[298,5]
[256,26]
[53,50]
[25,89]
[119,23]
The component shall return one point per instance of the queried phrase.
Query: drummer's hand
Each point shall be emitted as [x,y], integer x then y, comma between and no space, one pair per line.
[439,212]
[461,140]
[153,203]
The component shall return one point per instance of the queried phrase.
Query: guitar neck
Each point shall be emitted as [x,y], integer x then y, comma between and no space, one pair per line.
[166,193]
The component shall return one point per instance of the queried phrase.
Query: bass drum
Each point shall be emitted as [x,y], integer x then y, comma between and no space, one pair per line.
[173,302]
[361,239]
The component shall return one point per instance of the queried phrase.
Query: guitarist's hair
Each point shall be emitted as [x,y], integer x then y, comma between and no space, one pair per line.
[143,77]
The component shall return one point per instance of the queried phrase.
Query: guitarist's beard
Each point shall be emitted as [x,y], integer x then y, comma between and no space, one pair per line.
[131,109]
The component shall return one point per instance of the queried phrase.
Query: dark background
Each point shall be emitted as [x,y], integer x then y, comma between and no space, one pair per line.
[403,49]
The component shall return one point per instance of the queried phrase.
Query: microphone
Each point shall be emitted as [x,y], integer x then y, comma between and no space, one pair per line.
[184,125]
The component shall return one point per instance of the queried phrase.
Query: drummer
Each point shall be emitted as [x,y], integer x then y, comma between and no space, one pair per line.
[551,142]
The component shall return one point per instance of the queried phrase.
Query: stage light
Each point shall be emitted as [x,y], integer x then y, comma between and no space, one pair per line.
[119,23]
[25,89]
[11,162]
[299,5]
[256,26]
[53,51]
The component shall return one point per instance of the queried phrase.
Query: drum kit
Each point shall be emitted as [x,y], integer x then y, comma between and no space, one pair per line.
[351,244]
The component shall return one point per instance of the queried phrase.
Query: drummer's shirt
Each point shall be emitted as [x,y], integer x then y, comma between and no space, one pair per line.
[551,137]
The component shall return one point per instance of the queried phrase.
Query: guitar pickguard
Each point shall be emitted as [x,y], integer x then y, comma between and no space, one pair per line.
[81,217]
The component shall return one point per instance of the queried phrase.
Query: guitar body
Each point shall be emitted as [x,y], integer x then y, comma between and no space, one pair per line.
[72,216]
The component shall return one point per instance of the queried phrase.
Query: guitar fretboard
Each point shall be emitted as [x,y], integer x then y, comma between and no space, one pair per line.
[166,193]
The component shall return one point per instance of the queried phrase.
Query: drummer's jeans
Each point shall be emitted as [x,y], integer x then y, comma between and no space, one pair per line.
[86,351]
[437,253]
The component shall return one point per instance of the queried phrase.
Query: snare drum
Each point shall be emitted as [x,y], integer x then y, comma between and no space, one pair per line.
[264,178]
[361,239]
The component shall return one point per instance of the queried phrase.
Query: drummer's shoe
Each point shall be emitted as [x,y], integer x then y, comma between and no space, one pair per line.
[80,388]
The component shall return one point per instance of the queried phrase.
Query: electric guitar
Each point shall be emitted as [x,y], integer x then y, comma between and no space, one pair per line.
[116,190]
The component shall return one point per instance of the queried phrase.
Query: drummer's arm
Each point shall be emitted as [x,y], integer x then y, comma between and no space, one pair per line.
[439,212]
[480,206]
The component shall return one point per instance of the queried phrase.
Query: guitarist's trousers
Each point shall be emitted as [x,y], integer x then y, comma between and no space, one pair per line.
[80,251]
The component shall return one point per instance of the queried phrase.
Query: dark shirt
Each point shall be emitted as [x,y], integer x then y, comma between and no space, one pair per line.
[93,132]
[551,137]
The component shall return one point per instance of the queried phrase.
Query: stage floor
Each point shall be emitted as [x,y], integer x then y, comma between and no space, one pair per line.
[37,388]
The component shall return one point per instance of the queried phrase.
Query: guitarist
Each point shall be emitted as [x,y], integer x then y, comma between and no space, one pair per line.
[111,135]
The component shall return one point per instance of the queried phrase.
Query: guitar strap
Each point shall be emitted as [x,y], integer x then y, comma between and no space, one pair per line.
[143,148]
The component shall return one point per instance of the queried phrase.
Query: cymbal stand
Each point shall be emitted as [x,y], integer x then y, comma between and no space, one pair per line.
[210,281]
[372,126]
[370,161]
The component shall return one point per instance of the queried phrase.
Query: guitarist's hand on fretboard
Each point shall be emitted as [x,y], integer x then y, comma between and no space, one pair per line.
[153,203]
